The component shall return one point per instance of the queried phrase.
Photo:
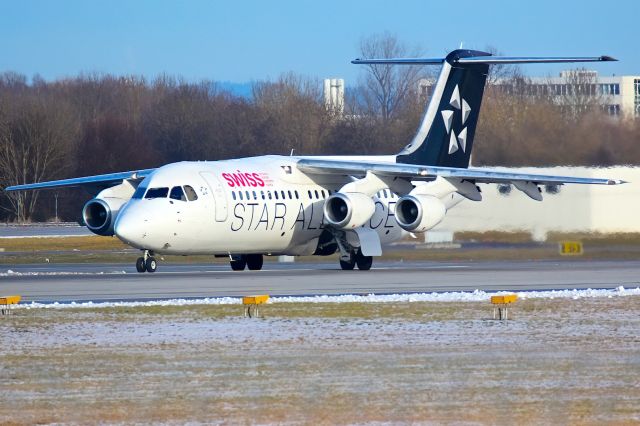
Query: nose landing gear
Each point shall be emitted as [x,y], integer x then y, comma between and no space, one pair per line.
[147,263]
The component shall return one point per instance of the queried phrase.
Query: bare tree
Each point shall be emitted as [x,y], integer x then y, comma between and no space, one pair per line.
[293,113]
[388,87]
[35,137]
[578,94]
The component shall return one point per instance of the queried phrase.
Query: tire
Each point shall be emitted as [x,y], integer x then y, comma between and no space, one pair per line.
[254,262]
[140,265]
[239,263]
[151,264]
[364,262]
[348,265]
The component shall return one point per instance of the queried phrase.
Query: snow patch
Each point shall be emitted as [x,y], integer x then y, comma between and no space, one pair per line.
[11,273]
[460,296]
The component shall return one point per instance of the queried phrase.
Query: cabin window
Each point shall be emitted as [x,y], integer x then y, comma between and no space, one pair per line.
[310,196]
[240,195]
[317,196]
[177,194]
[255,196]
[290,197]
[262,193]
[191,193]
[296,194]
[157,193]
[248,195]
[269,194]
[284,196]
[323,195]
[233,195]
[275,194]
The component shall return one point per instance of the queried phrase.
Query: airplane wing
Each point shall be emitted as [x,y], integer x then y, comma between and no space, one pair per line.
[99,181]
[420,172]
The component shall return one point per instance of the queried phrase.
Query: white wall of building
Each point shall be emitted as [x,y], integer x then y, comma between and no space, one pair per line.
[576,208]
[619,95]
[333,90]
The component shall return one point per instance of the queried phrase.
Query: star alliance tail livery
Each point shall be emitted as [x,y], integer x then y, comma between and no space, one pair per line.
[275,205]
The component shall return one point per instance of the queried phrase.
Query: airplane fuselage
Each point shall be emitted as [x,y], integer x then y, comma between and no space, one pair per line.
[255,205]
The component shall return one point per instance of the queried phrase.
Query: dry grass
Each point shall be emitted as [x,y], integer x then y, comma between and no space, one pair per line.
[596,238]
[494,237]
[559,361]
[62,243]
[519,237]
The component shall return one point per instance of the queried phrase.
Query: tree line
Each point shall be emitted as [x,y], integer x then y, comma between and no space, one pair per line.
[95,124]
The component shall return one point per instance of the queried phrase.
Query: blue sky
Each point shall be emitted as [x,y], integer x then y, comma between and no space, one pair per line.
[242,41]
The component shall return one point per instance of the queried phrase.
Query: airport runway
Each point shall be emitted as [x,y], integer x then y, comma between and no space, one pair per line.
[99,282]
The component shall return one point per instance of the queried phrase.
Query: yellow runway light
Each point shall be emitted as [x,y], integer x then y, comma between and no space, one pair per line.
[501,305]
[7,301]
[255,300]
[503,300]
[570,248]
[252,302]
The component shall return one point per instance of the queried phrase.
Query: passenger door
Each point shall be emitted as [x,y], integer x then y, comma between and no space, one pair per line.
[219,195]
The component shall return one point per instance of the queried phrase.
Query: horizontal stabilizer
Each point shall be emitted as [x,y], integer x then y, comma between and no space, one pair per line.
[487,60]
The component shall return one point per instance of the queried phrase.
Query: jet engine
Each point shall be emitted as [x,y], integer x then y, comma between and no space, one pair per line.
[99,214]
[348,210]
[419,213]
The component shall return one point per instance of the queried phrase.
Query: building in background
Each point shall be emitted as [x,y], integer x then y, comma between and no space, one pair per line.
[567,208]
[334,95]
[619,96]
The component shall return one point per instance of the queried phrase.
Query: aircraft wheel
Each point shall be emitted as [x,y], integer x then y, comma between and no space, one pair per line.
[151,264]
[254,262]
[239,263]
[140,265]
[364,262]
[348,265]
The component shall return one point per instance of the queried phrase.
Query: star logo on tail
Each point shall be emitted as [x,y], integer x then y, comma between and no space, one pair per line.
[456,141]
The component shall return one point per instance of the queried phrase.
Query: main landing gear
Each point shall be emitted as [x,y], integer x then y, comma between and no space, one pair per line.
[147,263]
[364,263]
[252,261]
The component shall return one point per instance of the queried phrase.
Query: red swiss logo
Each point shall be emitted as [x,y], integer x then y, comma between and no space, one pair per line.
[243,179]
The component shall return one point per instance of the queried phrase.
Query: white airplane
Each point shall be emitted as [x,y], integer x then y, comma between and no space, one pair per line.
[299,205]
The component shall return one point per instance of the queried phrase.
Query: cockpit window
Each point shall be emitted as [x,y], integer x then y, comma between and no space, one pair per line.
[157,193]
[140,190]
[191,193]
[177,194]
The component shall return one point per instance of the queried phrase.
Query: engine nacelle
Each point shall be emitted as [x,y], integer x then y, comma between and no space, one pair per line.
[99,214]
[419,213]
[348,210]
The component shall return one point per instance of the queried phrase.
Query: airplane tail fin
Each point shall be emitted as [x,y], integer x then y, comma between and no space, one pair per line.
[445,136]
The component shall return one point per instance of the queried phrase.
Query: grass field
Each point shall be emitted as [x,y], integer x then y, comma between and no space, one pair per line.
[559,361]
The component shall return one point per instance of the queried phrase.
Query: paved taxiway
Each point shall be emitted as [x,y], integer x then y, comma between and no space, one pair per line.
[80,282]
